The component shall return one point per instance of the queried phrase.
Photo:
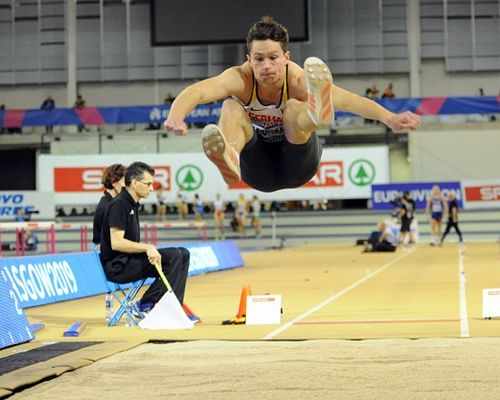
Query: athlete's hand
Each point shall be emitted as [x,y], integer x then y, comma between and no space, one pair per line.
[403,122]
[177,126]
[153,255]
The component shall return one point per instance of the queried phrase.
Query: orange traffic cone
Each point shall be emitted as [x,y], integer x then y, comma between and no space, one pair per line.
[245,291]
[242,310]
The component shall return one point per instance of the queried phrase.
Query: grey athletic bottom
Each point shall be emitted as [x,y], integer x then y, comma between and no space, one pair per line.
[273,166]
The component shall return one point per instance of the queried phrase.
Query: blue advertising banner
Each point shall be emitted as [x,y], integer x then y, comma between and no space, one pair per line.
[209,113]
[45,279]
[384,195]
[212,256]
[14,327]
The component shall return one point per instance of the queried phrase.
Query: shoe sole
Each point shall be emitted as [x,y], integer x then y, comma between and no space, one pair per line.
[220,153]
[319,92]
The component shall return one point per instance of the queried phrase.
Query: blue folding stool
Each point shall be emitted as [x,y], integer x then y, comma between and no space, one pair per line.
[124,294]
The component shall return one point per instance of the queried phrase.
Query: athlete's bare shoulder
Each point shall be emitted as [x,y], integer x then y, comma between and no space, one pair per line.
[238,80]
[296,83]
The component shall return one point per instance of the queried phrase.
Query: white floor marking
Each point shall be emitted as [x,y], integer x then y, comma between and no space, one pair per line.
[464,319]
[312,310]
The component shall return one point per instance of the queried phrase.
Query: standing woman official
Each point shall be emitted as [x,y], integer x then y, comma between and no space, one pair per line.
[113,180]
[436,209]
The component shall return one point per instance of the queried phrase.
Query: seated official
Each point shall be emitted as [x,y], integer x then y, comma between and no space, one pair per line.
[125,258]
[30,241]
[382,240]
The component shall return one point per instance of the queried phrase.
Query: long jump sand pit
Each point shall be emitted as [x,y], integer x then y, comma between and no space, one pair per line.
[311,369]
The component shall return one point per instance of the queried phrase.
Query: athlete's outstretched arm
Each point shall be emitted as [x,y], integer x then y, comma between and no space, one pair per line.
[206,91]
[366,108]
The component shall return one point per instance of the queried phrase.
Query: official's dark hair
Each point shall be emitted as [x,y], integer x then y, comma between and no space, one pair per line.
[112,174]
[267,28]
[136,171]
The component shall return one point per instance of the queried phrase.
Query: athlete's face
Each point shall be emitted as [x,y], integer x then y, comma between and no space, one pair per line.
[268,60]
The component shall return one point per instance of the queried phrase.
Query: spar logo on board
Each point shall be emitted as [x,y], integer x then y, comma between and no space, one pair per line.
[329,174]
[482,193]
[88,179]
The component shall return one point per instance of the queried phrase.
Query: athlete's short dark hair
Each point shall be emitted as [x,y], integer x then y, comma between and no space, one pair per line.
[267,28]
[136,171]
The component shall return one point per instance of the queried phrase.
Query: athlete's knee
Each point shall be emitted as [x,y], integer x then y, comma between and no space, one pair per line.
[231,106]
[294,104]
[292,109]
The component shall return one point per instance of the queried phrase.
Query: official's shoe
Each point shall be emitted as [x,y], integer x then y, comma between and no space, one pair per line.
[144,308]
[223,155]
[319,92]
[194,318]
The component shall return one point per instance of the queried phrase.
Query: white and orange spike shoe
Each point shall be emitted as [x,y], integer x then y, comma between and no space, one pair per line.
[223,155]
[319,92]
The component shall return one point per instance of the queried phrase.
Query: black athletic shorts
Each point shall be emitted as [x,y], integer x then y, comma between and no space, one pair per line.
[405,224]
[282,165]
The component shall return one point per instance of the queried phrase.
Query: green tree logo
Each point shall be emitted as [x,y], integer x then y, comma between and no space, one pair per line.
[189,177]
[361,172]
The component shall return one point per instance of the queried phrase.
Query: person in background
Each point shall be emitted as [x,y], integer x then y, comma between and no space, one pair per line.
[30,241]
[113,180]
[20,215]
[198,208]
[48,105]
[436,208]
[161,204]
[388,92]
[406,215]
[256,208]
[382,240]
[169,98]
[371,93]
[241,213]
[181,204]
[80,105]
[219,208]
[452,218]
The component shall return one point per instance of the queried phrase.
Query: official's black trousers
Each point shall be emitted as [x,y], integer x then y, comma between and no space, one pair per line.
[449,225]
[132,267]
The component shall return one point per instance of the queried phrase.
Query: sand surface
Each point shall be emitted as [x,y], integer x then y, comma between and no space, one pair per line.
[312,369]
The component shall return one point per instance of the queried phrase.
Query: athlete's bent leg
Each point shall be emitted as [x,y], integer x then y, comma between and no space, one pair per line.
[298,162]
[222,144]
[297,123]
[302,118]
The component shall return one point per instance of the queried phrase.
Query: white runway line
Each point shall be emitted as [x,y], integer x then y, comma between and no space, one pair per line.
[464,319]
[332,298]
